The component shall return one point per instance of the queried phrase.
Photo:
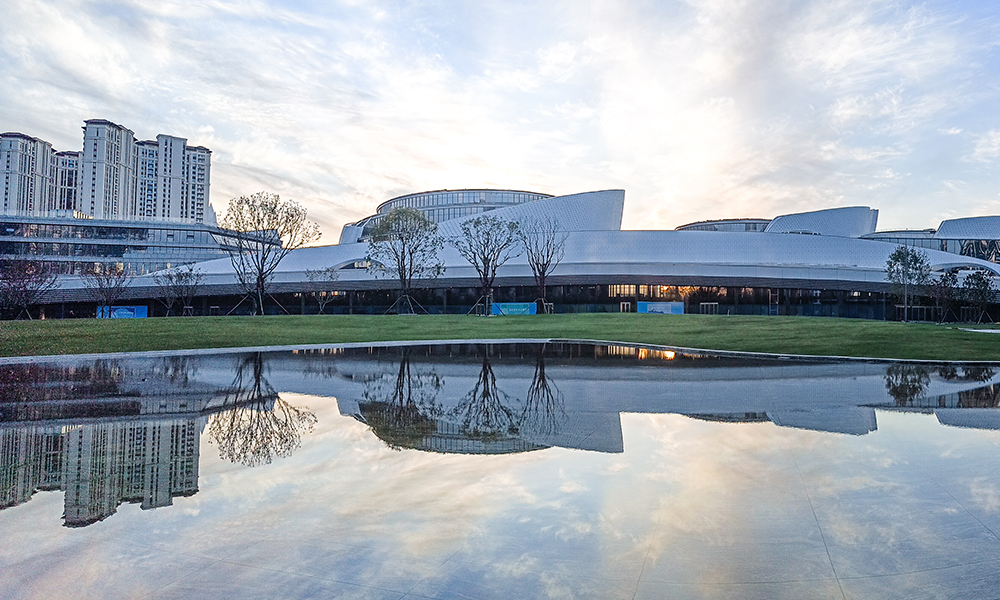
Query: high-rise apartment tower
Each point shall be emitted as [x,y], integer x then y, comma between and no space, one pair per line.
[114,177]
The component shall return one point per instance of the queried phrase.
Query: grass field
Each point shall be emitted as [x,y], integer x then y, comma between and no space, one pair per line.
[791,335]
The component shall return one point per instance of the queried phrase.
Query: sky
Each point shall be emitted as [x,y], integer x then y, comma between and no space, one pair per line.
[699,109]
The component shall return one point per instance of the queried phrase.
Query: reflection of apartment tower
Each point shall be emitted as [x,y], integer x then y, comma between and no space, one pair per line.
[106,464]
[30,460]
[107,171]
[26,164]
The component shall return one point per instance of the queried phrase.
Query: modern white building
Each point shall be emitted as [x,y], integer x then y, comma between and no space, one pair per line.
[828,262]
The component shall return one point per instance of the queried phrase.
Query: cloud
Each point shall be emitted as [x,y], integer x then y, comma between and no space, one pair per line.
[699,109]
[987,149]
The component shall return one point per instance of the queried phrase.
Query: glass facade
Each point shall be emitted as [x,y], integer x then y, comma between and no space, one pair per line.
[728,225]
[988,250]
[458,198]
[444,205]
[75,247]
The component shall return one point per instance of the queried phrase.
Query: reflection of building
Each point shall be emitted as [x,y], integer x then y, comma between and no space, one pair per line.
[103,431]
[31,459]
[421,432]
[597,383]
[109,431]
[450,438]
[100,465]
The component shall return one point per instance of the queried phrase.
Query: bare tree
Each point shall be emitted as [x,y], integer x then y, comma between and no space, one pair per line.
[488,242]
[179,284]
[944,290]
[908,270]
[258,425]
[23,283]
[404,245]
[108,282]
[267,229]
[544,244]
[323,278]
[978,291]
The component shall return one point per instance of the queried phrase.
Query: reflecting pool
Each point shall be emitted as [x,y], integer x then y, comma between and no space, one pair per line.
[497,471]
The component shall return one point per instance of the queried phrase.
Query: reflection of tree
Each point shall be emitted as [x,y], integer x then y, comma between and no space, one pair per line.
[401,410]
[543,412]
[947,372]
[984,397]
[259,426]
[978,373]
[906,383]
[484,411]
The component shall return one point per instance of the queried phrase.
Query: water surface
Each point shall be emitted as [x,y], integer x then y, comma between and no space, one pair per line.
[457,471]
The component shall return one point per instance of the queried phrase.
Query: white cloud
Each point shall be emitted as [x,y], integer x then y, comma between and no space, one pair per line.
[700,109]
[987,147]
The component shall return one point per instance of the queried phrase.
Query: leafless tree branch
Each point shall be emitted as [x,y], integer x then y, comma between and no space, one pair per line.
[260,425]
[544,244]
[109,283]
[404,246]
[488,242]
[323,278]
[267,229]
[179,284]
[23,283]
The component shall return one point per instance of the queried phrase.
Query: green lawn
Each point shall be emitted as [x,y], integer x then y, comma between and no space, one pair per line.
[792,335]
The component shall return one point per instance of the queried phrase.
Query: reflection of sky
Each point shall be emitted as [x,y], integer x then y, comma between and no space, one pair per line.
[690,509]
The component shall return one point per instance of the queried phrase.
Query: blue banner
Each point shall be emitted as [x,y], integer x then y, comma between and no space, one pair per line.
[122,312]
[661,308]
[513,308]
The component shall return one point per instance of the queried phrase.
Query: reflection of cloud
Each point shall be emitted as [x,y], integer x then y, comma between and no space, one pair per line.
[379,491]
[985,494]
[722,497]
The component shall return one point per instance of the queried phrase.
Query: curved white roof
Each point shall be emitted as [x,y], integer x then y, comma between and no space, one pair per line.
[597,251]
[849,221]
[589,211]
[970,228]
[609,255]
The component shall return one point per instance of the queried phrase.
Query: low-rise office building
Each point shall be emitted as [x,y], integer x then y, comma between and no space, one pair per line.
[76,245]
